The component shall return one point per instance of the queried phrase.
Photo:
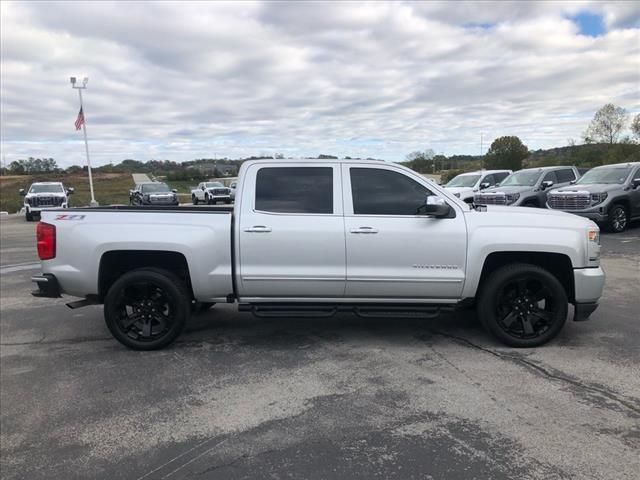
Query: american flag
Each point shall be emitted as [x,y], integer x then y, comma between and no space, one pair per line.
[80,119]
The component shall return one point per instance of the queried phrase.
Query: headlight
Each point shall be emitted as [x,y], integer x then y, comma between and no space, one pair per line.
[597,198]
[512,198]
[593,246]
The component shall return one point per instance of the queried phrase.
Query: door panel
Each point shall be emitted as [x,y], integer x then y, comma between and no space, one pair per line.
[400,256]
[287,247]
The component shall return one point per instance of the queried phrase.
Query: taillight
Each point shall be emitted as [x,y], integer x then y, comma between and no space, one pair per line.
[46,238]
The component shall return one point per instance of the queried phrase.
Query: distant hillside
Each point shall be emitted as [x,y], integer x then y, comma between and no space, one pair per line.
[585,155]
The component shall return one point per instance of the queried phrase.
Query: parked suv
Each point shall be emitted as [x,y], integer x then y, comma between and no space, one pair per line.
[465,185]
[528,187]
[609,195]
[44,196]
[153,193]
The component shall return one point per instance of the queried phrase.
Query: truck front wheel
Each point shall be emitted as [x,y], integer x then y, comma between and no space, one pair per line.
[147,308]
[618,219]
[523,305]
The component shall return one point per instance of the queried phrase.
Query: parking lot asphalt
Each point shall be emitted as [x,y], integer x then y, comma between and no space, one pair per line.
[241,397]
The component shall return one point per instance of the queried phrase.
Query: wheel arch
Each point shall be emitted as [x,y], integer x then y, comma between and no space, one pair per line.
[558,264]
[115,263]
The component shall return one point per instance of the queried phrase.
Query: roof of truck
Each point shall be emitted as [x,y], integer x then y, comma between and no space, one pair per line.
[624,164]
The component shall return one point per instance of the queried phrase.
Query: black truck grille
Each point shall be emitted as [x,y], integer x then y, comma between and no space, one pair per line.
[221,191]
[47,201]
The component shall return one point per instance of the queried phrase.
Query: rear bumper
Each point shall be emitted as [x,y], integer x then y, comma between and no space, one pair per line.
[48,286]
[589,283]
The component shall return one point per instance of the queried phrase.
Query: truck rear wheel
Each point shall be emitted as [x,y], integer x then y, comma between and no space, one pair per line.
[147,308]
[523,305]
[194,199]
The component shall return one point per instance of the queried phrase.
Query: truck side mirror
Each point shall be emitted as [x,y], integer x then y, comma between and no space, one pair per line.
[434,206]
[70,191]
[174,190]
[636,182]
[22,192]
[572,182]
[484,185]
[202,188]
[546,184]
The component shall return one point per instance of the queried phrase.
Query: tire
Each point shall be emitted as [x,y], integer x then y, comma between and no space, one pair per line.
[167,308]
[618,218]
[194,199]
[199,307]
[523,305]
[206,200]
[28,217]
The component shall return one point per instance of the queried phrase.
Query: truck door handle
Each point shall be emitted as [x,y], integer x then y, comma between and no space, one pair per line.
[369,230]
[258,229]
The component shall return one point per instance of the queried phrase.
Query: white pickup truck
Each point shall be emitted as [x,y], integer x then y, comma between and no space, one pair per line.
[210,193]
[318,237]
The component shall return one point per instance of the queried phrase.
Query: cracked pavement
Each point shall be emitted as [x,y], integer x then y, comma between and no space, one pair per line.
[242,397]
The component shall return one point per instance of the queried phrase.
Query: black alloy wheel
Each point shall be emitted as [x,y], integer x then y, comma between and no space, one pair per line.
[146,309]
[618,219]
[523,305]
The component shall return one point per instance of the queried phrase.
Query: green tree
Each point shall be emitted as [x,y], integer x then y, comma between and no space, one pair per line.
[506,153]
[635,126]
[607,124]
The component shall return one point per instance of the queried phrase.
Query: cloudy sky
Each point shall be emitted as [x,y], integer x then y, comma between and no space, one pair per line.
[190,80]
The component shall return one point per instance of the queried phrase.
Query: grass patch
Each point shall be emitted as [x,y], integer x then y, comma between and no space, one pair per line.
[109,188]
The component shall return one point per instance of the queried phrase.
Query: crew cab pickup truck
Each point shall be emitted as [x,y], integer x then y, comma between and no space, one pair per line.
[210,192]
[318,237]
[44,196]
[608,195]
[528,187]
[465,185]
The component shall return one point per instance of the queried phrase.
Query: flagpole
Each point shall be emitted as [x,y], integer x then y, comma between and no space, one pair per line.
[84,130]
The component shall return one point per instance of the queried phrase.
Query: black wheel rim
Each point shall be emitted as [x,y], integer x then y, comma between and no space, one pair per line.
[619,219]
[526,308]
[145,312]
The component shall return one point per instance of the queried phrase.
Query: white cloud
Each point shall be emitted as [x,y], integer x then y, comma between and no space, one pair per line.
[186,80]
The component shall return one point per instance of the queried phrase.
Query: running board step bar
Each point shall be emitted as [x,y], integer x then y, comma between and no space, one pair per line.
[361,310]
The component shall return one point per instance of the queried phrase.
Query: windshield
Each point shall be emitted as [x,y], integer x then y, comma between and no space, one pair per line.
[523,178]
[213,185]
[605,175]
[463,181]
[54,188]
[155,188]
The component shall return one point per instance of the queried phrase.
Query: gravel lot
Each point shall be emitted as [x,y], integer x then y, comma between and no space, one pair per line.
[240,397]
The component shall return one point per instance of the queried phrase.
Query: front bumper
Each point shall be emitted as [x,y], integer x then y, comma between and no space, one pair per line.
[589,283]
[31,209]
[48,286]
[597,214]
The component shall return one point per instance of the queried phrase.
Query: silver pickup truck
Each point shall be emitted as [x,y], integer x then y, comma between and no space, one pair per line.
[317,237]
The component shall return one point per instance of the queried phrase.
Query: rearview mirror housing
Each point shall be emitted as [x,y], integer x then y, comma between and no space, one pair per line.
[174,190]
[435,206]
[484,185]
[71,191]
[636,182]
[546,184]
[22,192]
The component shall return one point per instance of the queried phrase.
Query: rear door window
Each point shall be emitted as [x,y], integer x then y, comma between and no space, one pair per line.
[295,190]
[565,175]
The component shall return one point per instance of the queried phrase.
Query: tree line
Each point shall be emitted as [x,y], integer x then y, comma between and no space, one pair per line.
[603,144]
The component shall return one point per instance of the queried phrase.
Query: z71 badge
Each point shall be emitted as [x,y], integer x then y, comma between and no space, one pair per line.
[69,217]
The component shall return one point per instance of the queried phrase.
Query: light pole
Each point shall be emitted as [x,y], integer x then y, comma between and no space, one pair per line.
[84,130]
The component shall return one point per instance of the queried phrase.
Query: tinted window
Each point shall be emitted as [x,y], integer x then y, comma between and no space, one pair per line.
[550,176]
[489,179]
[565,175]
[295,190]
[383,192]
[500,176]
